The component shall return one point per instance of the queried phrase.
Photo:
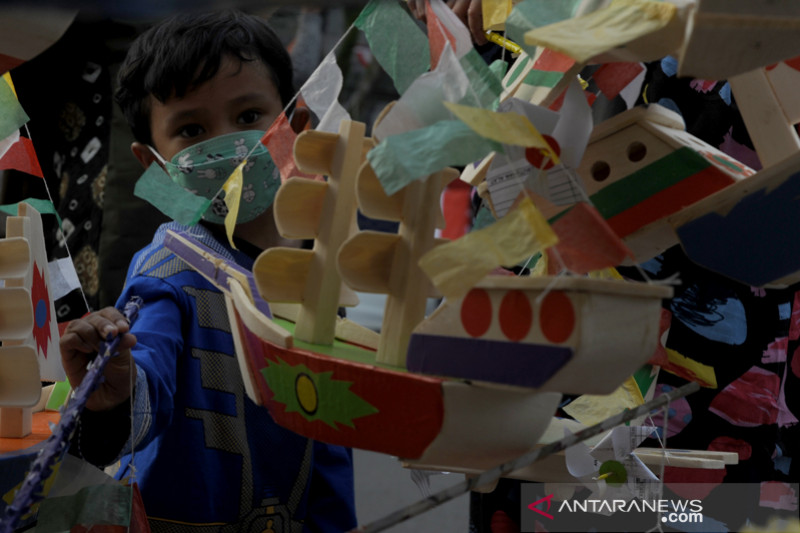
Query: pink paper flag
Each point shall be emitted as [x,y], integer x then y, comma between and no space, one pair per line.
[279,140]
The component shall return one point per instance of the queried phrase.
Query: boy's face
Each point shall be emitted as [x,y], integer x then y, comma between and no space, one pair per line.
[241,96]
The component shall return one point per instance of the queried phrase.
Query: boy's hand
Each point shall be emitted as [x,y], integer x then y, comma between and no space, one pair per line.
[79,346]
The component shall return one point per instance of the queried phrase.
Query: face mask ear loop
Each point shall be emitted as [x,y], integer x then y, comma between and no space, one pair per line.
[158,156]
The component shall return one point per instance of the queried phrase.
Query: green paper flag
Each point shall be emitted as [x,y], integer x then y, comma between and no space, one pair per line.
[169,197]
[484,85]
[399,45]
[446,143]
[95,505]
[44,207]
[12,116]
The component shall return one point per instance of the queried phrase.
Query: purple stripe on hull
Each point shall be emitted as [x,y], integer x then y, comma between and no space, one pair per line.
[511,363]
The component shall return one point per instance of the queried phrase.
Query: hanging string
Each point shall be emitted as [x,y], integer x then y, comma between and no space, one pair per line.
[63,237]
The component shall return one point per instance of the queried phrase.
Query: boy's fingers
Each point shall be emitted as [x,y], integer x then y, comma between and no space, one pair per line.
[475,22]
[80,336]
[417,8]
[127,342]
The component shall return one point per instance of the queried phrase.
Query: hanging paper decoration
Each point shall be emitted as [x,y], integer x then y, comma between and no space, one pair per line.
[456,267]
[170,198]
[233,195]
[583,38]
[321,93]
[612,78]
[396,41]
[551,173]
[12,116]
[495,13]
[446,143]
[585,242]
[445,27]
[8,142]
[505,128]
[422,103]
[21,156]
[279,140]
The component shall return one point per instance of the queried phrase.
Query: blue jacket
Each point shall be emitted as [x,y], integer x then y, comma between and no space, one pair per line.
[204,453]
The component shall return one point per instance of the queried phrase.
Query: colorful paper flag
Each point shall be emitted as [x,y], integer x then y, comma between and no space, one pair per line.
[279,140]
[21,156]
[445,27]
[586,242]
[495,13]
[455,267]
[504,128]
[12,116]
[8,142]
[422,103]
[170,198]
[321,93]
[449,142]
[583,38]
[611,78]
[397,42]
[233,196]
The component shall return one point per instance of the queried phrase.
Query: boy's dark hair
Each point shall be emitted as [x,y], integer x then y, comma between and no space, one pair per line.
[186,50]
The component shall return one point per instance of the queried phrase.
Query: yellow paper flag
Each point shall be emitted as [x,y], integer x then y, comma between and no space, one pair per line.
[233,195]
[7,78]
[582,38]
[455,267]
[506,128]
[495,13]
[590,409]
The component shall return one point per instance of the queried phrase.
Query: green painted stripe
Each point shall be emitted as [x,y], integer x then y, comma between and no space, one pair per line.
[645,182]
[543,78]
[338,349]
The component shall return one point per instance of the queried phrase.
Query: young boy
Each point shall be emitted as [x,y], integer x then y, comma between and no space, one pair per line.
[198,90]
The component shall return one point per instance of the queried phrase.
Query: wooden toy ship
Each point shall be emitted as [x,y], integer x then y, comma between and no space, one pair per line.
[641,167]
[328,379]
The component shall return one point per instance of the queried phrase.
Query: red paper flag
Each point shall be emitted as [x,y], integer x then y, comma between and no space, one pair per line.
[443,27]
[586,242]
[279,140]
[438,35]
[22,156]
[611,78]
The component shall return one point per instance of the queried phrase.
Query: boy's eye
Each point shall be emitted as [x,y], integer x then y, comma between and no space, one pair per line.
[190,131]
[250,116]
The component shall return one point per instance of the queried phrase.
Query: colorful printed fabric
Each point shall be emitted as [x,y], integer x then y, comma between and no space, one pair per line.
[748,337]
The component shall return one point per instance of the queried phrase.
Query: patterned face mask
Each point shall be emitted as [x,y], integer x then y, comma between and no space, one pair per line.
[203,168]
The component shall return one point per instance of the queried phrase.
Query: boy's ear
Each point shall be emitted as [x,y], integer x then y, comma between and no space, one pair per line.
[143,153]
[300,118]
